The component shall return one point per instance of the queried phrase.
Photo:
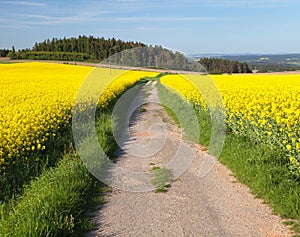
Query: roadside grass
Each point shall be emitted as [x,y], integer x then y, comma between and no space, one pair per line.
[7,62]
[146,79]
[143,110]
[161,178]
[263,170]
[266,172]
[148,87]
[51,203]
[15,177]
[181,112]
[55,202]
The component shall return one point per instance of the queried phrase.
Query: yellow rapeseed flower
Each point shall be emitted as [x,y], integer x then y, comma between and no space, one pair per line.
[36,100]
[257,105]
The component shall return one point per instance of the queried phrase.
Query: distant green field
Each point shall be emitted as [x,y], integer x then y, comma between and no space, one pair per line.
[295,63]
[7,62]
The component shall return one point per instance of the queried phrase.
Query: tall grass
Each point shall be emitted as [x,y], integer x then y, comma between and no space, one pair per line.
[51,203]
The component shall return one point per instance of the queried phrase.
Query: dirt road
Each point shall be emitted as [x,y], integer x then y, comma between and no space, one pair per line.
[216,205]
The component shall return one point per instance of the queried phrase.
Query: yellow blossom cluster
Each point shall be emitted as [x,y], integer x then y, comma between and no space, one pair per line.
[261,106]
[36,101]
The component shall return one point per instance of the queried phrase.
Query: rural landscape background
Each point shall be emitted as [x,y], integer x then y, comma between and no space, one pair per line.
[139,118]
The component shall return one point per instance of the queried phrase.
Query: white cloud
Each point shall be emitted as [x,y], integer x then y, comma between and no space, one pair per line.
[247,3]
[6,23]
[36,19]
[25,3]
[156,28]
[165,19]
[228,3]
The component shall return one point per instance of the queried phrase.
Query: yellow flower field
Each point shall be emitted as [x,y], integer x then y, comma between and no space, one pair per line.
[36,101]
[264,107]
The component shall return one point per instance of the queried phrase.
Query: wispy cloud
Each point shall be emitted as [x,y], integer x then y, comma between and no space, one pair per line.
[6,23]
[13,27]
[246,3]
[162,19]
[168,19]
[228,3]
[24,3]
[36,19]
[156,28]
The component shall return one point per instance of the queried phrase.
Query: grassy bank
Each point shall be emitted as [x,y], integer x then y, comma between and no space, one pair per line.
[181,111]
[264,170]
[53,204]
[16,176]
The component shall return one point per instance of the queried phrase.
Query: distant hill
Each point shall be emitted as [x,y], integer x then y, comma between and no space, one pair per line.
[262,62]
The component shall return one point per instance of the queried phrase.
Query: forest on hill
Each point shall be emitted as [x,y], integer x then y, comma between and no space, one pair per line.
[127,53]
[82,48]
[218,66]
[4,52]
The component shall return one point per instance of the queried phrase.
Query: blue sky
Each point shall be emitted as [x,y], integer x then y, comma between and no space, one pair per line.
[191,26]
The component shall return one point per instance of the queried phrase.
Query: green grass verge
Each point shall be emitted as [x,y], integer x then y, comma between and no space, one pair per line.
[22,171]
[264,170]
[8,62]
[51,203]
[54,203]
[180,110]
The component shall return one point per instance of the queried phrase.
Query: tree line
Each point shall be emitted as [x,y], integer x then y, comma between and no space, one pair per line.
[218,66]
[155,57]
[4,52]
[127,53]
[82,48]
